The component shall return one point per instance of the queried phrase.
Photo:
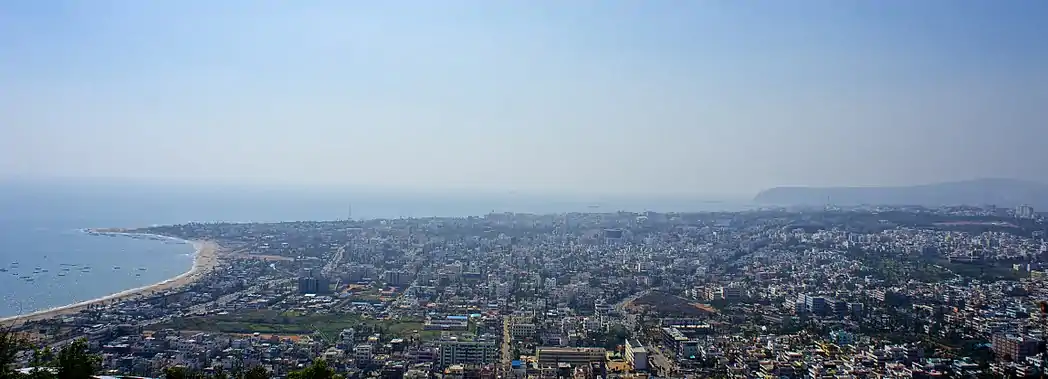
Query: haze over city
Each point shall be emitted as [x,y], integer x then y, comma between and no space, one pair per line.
[702,98]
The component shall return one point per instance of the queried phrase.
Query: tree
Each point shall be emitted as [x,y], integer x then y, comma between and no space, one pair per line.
[318,370]
[176,373]
[257,372]
[10,344]
[76,362]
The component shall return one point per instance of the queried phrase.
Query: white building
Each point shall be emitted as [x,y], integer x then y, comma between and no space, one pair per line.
[636,355]
[467,353]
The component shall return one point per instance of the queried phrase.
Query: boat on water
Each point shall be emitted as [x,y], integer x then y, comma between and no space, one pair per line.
[61,274]
[116,267]
[141,269]
[3,270]
[138,274]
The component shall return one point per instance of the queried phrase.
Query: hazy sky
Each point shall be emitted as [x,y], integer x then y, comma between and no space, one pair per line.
[702,97]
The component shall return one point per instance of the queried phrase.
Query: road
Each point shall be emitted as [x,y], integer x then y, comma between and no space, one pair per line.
[332,264]
[629,320]
[663,365]
[507,360]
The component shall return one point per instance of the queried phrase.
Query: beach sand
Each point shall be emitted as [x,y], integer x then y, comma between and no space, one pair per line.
[205,260]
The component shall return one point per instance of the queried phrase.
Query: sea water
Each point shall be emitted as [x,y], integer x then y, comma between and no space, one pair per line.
[41,228]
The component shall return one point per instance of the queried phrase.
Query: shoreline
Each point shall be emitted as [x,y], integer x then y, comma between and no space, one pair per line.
[205,259]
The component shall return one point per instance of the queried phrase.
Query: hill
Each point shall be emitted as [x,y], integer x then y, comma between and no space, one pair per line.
[1000,192]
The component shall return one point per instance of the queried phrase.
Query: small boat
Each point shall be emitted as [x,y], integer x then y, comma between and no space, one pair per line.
[116,267]
[141,269]
[3,270]
[138,274]
[61,274]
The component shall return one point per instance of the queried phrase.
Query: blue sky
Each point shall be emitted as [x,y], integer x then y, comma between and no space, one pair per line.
[703,97]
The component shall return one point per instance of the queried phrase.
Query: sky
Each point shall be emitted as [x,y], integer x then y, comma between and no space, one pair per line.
[705,98]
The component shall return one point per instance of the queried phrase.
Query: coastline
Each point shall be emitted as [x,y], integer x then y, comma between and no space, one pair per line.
[205,259]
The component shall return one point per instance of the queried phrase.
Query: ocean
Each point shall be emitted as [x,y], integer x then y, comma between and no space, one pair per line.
[41,223]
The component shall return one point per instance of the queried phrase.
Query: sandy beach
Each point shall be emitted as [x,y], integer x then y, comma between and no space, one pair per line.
[205,260]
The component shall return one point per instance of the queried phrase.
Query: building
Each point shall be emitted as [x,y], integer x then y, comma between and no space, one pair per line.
[817,305]
[553,356]
[454,352]
[1010,347]
[521,331]
[312,285]
[363,353]
[395,278]
[636,355]
[732,293]
[450,324]
[1025,211]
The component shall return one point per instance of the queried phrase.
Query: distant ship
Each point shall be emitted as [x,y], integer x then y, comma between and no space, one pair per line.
[61,274]
[3,270]
[116,267]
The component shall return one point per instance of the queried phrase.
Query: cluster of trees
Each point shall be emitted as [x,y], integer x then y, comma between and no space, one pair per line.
[75,361]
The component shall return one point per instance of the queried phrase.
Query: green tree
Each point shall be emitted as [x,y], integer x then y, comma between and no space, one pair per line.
[257,372]
[41,361]
[219,373]
[10,344]
[318,370]
[76,362]
[178,372]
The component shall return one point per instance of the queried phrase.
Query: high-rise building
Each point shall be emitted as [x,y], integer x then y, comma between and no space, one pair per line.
[312,285]
[397,278]
[1025,212]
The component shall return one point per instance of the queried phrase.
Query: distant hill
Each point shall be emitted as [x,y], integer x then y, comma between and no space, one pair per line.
[1000,192]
